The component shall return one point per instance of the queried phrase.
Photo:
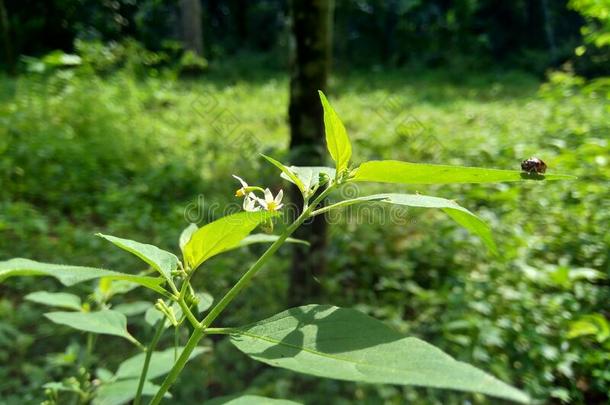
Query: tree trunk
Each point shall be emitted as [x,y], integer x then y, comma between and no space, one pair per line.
[6,39]
[548,30]
[311,30]
[192,33]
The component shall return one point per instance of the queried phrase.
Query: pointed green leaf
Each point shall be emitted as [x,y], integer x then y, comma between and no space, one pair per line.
[345,344]
[287,173]
[105,322]
[458,213]
[161,362]
[221,235]
[266,238]
[121,392]
[160,260]
[310,175]
[70,275]
[249,400]
[186,235]
[61,300]
[394,171]
[337,140]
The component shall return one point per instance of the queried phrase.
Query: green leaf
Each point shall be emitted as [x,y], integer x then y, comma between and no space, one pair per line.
[287,173]
[345,344]
[205,301]
[160,260]
[121,392]
[266,238]
[394,171]
[337,140]
[61,386]
[186,235]
[70,275]
[104,375]
[105,322]
[132,308]
[221,235]
[61,300]
[153,315]
[582,327]
[310,175]
[458,213]
[161,362]
[594,324]
[249,400]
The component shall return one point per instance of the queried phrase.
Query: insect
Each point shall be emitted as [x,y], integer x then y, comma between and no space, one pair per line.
[533,165]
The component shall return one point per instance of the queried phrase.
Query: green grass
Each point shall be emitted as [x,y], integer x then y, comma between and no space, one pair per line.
[81,154]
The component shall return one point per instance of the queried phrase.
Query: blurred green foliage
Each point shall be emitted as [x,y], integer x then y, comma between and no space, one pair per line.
[593,54]
[597,14]
[117,143]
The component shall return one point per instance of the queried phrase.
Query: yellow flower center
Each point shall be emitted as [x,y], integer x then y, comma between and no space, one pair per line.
[240,193]
[271,206]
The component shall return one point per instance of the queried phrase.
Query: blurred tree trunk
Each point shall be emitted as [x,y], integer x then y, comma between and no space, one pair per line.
[311,29]
[6,39]
[548,29]
[192,33]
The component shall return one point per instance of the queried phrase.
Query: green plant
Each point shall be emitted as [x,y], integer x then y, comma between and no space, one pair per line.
[596,14]
[320,340]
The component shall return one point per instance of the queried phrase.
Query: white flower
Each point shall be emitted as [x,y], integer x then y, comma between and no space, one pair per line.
[270,203]
[250,203]
[241,192]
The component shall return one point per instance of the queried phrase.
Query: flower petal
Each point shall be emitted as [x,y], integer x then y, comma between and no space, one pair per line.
[243,183]
[250,203]
[268,195]
[261,201]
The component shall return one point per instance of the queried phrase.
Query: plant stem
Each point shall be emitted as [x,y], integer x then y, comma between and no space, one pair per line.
[176,339]
[149,351]
[90,344]
[186,284]
[220,331]
[200,331]
[188,313]
[196,336]
[136,342]
[245,279]
[339,205]
[345,203]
